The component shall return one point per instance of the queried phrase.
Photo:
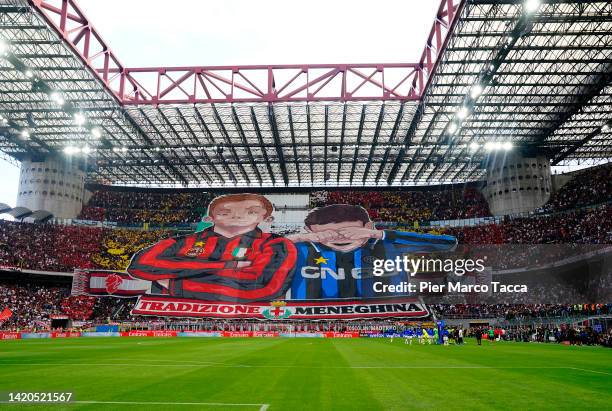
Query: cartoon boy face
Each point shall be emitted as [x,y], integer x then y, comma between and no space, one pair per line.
[343,236]
[340,227]
[239,211]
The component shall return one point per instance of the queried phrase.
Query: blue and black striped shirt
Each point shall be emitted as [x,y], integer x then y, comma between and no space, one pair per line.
[323,273]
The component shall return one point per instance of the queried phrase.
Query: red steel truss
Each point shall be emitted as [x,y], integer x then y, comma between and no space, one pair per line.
[230,84]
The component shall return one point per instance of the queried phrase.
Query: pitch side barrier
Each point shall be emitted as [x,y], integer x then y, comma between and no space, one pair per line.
[11,335]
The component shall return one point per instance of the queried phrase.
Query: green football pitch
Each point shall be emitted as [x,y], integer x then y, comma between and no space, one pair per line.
[305,374]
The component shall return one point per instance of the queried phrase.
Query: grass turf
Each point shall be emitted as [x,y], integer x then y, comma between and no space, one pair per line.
[313,374]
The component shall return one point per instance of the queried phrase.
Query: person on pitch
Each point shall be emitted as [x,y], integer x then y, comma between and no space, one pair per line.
[338,248]
[408,336]
[429,335]
[233,260]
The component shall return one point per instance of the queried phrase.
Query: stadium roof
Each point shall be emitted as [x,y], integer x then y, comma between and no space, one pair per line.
[531,76]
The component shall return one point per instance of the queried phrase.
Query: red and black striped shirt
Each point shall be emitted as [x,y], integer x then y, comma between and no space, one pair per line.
[205,265]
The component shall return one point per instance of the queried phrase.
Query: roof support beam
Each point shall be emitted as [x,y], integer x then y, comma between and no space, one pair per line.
[381,116]
[341,148]
[293,143]
[277,143]
[238,125]
[261,145]
[359,134]
[223,130]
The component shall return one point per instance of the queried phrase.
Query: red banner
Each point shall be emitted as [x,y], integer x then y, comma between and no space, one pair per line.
[9,335]
[292,310]
[5,314]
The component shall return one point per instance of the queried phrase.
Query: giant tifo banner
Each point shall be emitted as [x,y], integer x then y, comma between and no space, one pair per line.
[339,267]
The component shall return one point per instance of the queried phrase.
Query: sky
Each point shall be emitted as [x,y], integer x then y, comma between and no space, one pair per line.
[263,32]
[207,33]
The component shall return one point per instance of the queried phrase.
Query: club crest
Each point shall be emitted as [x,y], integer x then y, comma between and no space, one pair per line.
[113,282]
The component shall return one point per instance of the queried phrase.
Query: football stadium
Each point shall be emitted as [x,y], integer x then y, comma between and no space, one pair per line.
[434,232]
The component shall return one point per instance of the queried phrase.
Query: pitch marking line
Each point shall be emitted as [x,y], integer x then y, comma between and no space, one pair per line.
[584,369]
[262,407]
[221,365]
[176,361]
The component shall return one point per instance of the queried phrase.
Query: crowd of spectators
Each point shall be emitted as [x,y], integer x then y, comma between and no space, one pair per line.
[31,304]
[143,200]
[587,187]
[570,334]
[584,226]
[138,207]
[132,216]
[118,245]
[61,248]
[78,307]
[407,207]
[404,207]
[113,309]
[519,311]
[48,247]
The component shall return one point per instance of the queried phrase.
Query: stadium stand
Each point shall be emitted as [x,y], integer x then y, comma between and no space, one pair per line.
[131,207]
[78,307]
[48,247]
[589,186]
[588,226]
[117,246]
[406,207]
[51,247]
[32,305]
[578,213]
[518,311]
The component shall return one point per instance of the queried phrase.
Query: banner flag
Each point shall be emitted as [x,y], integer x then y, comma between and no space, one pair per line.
[107,283]
[5,314]
[281,310]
